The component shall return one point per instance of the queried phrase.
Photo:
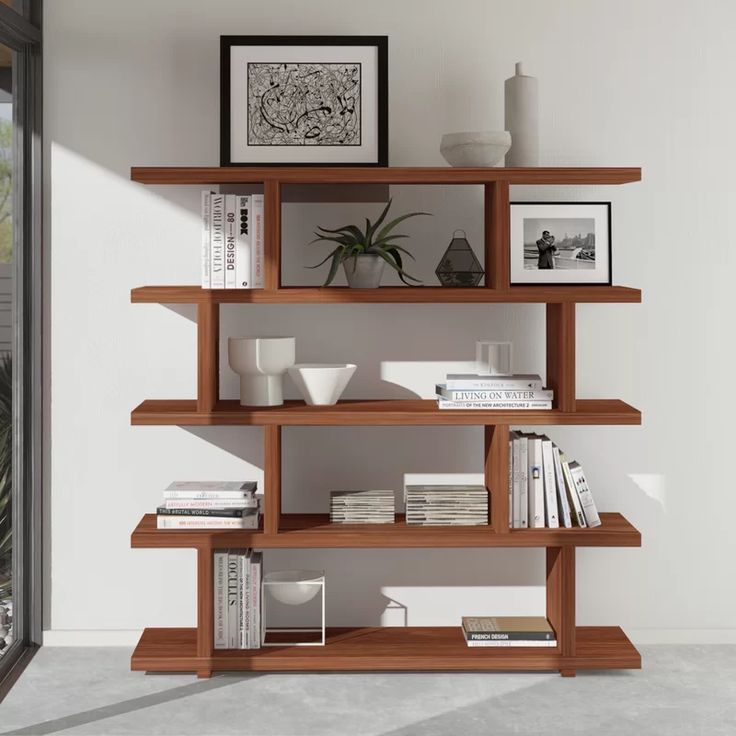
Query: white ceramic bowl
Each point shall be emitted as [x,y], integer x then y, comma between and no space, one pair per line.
[321,384]
[294,587]
[484,148]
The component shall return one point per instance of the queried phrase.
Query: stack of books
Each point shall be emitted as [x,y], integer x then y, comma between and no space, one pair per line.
[476,391]
[508,631]
[209,505]
[237,583]
[449,505]
[232,241]
[362,507]
[545,488]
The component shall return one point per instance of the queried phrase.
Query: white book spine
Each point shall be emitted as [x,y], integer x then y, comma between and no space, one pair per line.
[242,599]
[494,384]
[230,234]
[511,483]
[206,201]
[258,240]
[550,486]
[586,497]
[536,484]
[516,519]
[564,504]
[493,395]
[257,589]
[214,495]
[243,244]
[505,643]
[572,493]
[217,242]
[493,405]
[232,600]
[220,563]
[207,522]
[210,503]
[523,482]
[245,600]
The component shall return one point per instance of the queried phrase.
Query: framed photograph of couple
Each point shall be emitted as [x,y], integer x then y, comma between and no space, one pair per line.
[562,243]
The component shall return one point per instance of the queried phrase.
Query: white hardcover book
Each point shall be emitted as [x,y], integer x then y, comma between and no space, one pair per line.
[493,405]
[233,569]
[211,503]
[246,608]
[231,217]
[506,643]
[255,617]
[536,483]
[511,481]
[563,502]
[206,201]
[243,244]
[220,613]
[550,485]
[516,479]
[572,494]
[258,240]
[212,486]
[586,497]
[523,481]
[471,381]
[242,597]
[493,394]
[207,522]
[217,241]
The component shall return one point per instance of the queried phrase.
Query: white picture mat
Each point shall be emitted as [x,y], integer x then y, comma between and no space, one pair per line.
[598,211]
[241,152]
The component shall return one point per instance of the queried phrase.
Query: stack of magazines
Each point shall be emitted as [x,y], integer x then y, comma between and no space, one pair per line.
[362,507]
[476,391]
[194,504]
[446,505]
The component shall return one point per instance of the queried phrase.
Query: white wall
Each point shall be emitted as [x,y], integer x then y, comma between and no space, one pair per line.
[630,82]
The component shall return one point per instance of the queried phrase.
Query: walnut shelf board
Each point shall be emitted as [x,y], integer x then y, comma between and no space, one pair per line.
[408,412]
[382,175]
[385,295]
[385,649]
[303,531]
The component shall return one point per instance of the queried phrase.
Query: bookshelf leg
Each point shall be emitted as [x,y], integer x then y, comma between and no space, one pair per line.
[272,478]
[205,603]
[561,600]
[561,354]
[568,672]
[208,352]
[497,475]
[204,674]
[496,205]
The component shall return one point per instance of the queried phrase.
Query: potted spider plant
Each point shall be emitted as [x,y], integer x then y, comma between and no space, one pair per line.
[364,253]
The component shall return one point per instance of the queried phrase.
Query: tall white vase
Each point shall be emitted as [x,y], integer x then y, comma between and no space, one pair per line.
[522,118]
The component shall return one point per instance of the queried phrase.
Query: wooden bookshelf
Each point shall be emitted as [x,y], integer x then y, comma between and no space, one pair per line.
[192,650]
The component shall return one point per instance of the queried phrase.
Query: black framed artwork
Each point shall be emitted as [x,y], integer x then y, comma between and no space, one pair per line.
[560,243]
[304,101]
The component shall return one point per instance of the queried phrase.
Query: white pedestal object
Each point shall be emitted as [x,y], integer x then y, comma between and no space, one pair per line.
[293,588]
[261,363]
[493,358]
[522,118]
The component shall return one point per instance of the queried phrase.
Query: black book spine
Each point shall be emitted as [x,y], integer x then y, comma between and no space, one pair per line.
[509,636]
[229,513]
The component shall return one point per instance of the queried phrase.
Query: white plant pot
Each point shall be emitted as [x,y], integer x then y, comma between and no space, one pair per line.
[364,271]
[294,587]
[321,384]
[484,148]
[261,363]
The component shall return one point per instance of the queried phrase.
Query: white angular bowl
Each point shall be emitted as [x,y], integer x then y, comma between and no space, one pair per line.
[321,384]
[294,587]
[483,148]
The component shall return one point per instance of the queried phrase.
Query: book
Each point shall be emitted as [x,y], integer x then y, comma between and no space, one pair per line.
[478,394]
[231,598]
[515,478]
[503,643]
[229,513]
[362,507]
[258,244]
[536,482]
[550,485]
[445,404]
[220,612]
[206,522]
[243,245]
[572,494]
[586,497]
[210,489]
[511,481]
[241,502]
[206,201]
[507,628]
[523,481]
[563,501]
[245,606]
[231,230]
[447,505]
[256,566]
[471,381]
[217,241]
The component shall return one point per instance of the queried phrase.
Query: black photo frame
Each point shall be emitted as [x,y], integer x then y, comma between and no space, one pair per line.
[369,122]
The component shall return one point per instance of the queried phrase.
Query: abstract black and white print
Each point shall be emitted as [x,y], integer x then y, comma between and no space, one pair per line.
[304,104]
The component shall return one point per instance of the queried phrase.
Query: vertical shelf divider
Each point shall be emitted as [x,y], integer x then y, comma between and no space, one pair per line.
[561,601]
[561,354]
[496,211]
[208,355]
[272,233]
[497,475]
[205,606]
[272,478]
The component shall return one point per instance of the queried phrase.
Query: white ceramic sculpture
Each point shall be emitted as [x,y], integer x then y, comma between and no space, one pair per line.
[294,587]
[493,358]
[261,363]
[484,148]
[321,384]
[522,118]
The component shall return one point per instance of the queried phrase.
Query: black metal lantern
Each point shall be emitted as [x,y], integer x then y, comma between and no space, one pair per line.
[459,266]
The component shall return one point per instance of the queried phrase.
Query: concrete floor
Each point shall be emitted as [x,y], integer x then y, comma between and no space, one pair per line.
[688,690]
